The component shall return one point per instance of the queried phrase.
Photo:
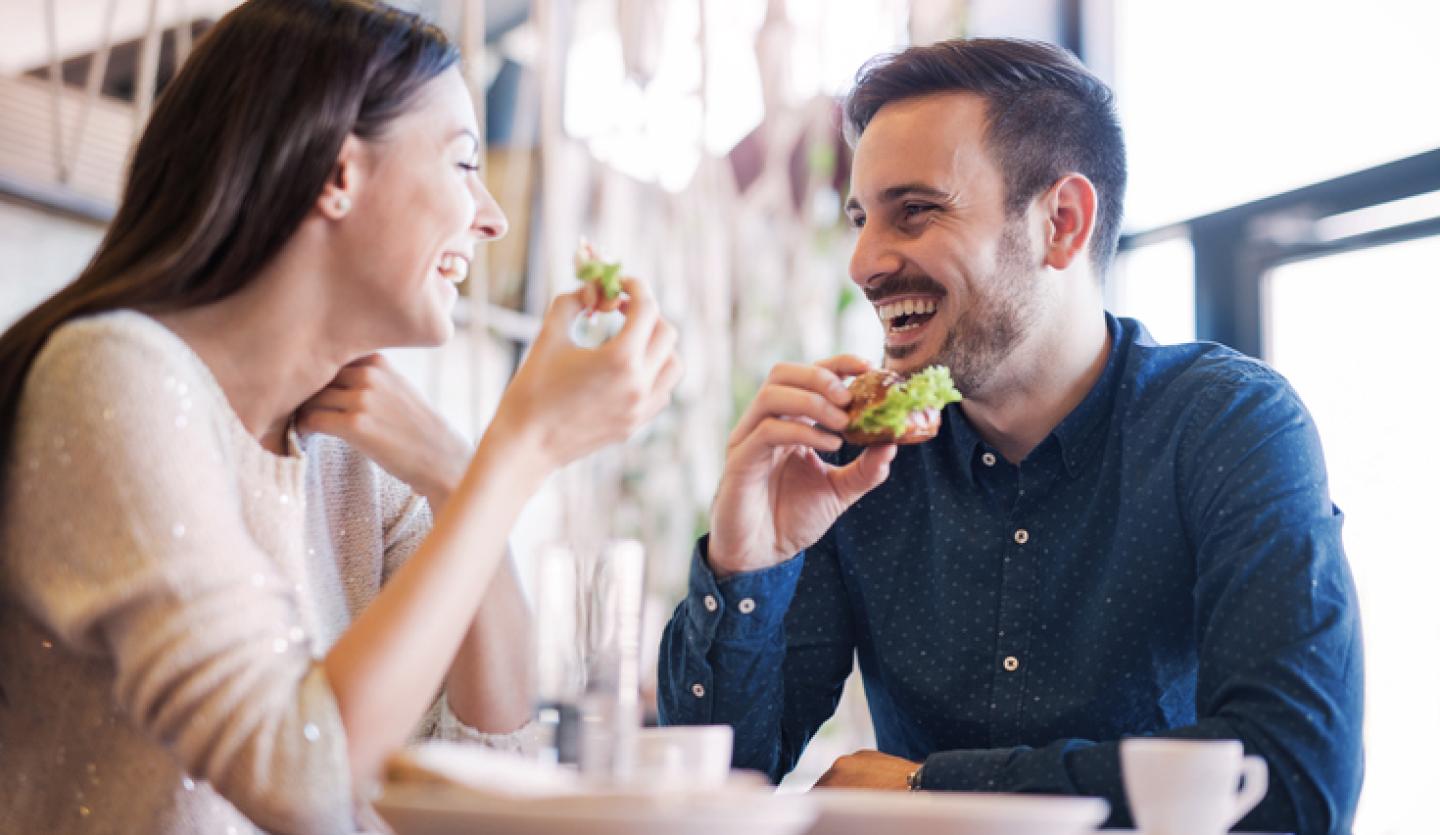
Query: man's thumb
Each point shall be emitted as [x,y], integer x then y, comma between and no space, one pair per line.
[864,474]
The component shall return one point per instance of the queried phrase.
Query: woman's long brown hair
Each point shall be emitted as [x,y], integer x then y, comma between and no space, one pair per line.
[238,149]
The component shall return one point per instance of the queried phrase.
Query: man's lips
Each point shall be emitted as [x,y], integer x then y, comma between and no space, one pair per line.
[905,317]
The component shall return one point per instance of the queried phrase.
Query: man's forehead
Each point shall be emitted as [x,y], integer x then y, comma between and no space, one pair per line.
[936,139]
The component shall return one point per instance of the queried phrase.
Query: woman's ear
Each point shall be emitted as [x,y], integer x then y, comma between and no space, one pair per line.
[337,198]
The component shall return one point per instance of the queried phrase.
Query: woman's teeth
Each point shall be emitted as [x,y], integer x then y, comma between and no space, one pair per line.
[454,267]
[905,315]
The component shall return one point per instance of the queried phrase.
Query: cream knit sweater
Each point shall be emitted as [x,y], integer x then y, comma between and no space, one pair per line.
[170,587]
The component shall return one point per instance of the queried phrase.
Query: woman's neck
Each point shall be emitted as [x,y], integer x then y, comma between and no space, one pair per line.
[266,346]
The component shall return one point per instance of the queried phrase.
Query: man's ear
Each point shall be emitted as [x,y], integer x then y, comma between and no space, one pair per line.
[1069,206]
[338,196]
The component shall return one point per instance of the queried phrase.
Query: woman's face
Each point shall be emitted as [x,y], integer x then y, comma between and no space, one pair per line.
[419,211]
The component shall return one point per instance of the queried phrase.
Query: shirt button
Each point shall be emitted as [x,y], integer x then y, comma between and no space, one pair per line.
[747,606]
[988,459]
[1011,664]
[1022,536]
[711,604]
[698,689]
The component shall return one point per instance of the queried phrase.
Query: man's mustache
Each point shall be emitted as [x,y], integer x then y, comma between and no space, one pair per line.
[903,285]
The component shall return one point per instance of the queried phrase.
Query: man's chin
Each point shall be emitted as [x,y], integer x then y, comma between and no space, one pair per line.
[907,359]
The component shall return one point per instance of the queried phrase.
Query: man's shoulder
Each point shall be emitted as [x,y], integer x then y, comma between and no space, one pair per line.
[1194,372]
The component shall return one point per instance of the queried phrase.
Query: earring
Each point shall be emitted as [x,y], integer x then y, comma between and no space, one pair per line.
[341,204]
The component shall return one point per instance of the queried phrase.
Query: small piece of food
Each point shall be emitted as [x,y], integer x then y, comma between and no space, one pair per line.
[890,409]
[601,279]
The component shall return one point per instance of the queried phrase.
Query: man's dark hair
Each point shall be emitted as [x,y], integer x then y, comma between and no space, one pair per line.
[1048,116]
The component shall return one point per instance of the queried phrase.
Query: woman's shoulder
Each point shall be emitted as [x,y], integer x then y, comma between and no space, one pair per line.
[113,341]
[118,363]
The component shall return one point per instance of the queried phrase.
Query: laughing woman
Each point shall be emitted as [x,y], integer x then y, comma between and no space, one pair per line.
[240,556]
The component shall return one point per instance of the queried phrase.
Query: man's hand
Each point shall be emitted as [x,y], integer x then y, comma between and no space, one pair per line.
[376,410]
[868,770]
[776,496]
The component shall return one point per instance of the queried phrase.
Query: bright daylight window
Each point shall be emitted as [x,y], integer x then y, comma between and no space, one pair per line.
[1229,101]
[1349,331]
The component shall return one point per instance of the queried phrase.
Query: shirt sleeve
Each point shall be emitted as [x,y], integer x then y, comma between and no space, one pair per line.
[1276,623]
[739,652]
[407,521]
[139,553]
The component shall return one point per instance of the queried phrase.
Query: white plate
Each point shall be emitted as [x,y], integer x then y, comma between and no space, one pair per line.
[846,812]
[452,810]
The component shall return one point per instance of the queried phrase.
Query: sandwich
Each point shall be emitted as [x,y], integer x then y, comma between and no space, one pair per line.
[600,280]
[890,409]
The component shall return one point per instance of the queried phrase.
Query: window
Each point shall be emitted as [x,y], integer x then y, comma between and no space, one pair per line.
[1354,333]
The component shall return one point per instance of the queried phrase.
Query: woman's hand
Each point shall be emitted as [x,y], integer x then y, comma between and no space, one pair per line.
[376,410]
[570,401]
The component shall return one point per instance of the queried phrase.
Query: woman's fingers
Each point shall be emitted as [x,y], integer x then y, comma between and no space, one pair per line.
[563,310]
[641,315]
[335,399]
[661,346]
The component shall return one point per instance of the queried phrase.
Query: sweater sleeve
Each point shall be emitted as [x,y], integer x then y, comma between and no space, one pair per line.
[127,538]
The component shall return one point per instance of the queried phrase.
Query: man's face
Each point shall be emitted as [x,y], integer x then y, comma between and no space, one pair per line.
[953,279]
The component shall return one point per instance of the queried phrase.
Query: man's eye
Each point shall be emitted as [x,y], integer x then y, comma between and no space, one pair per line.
[912,210]
[857,221]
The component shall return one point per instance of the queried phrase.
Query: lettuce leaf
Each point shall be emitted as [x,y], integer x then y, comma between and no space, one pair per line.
[608,276]
[928,389]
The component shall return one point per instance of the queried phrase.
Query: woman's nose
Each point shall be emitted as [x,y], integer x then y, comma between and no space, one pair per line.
[489,223]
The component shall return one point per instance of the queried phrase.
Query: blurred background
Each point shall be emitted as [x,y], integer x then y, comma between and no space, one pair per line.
[1284,200]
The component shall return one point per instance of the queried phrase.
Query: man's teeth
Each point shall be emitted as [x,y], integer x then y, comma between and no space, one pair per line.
[909,307]
[454,267]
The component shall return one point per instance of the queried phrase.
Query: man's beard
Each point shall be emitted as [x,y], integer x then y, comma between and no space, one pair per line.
[993,324]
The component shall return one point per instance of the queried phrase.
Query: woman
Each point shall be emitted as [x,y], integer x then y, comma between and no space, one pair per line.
[222,615]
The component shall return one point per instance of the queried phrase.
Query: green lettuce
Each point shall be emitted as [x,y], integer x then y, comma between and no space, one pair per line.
[608,276]
[928,389]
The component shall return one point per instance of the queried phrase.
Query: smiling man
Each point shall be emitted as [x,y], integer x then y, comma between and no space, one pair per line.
[1107,538]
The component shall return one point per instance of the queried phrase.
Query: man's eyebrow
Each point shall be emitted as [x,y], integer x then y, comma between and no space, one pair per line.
[894,193]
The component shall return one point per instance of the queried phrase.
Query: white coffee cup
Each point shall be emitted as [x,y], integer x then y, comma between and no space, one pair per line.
[693,756]
[1190,787]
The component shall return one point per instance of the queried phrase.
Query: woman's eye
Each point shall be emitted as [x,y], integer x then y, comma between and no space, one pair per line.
[470,166]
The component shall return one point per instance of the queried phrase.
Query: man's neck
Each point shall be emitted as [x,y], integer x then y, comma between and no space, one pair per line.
[1039,385]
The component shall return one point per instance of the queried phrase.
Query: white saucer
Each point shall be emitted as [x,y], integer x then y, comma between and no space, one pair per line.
[849,812]
[417,809]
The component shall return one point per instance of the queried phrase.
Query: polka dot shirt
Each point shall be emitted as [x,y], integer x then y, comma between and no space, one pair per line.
[1167,562]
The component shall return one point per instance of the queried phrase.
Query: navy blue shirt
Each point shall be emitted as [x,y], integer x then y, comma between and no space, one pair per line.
[1167,562]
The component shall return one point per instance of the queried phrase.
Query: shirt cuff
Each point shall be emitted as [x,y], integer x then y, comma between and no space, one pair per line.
[742,607]
[966,770]
[452,728]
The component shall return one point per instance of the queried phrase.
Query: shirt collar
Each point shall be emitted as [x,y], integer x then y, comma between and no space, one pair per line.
[1079,433]
[963,439]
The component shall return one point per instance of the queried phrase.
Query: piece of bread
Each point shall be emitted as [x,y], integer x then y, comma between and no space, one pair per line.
[870,389]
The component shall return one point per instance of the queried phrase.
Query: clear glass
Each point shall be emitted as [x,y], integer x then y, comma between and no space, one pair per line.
[610,709]
[559,652]
[1355,335]
[589,615]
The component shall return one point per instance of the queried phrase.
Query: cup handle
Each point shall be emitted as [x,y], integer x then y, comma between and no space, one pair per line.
[1256,778]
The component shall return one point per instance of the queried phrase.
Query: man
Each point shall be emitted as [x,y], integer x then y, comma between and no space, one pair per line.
[1107,538]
